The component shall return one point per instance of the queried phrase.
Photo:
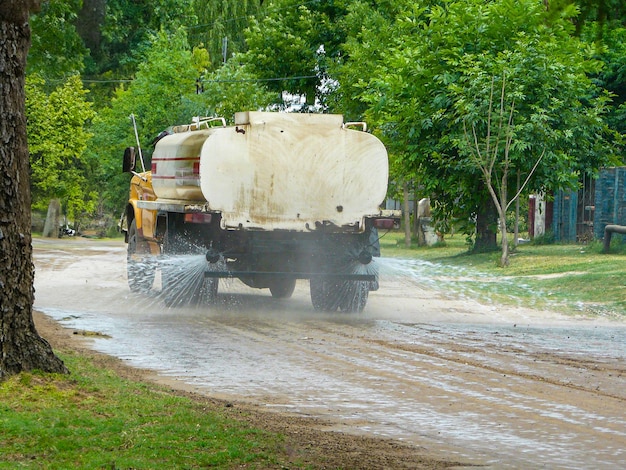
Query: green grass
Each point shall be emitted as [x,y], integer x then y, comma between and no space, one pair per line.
[571,278]
[94,419]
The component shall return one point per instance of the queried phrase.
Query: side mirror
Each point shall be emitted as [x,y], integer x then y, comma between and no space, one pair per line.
[129,160]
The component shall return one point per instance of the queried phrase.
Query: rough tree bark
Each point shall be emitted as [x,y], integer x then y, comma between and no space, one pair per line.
[407,215]
[21,347]
[486,227]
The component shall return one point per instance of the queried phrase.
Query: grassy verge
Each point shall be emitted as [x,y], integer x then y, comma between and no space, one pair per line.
[95,419]
[571,278]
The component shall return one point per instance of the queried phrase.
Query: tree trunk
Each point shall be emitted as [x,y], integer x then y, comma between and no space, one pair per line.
[504,258]
[407,215]
[416,221]
[517,204]
[21,347]
[486,227]
[53,220]
[89,24]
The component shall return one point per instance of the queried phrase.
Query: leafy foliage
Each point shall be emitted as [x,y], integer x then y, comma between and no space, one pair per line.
[58,137]
[436,76]
[221,27]
[127,30]
[304,36]
[612,77]
[233,88]
[57,50]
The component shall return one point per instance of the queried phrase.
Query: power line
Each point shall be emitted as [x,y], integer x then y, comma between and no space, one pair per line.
[274,79]
[121,80]
[241,80]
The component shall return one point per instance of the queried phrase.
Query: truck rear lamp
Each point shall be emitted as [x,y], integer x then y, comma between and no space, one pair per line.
[196,168]
[198,218]
[384,224]
[153,167]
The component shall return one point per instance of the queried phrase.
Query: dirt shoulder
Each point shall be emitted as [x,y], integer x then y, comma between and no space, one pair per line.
[309,441]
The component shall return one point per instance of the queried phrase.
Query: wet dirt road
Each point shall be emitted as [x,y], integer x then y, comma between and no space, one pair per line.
[487,385]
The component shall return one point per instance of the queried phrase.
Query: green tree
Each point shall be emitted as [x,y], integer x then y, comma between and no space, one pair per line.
[118,34]
[435,78]
[57,50]
[58,136]
[613,74]
[233,88]
[294,44]
[221,27]
[369,32]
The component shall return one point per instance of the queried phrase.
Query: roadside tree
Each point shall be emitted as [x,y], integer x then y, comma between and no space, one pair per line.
[434,81]
[58,138]
[233,88]
[21,347]
[292,46]
[57,51]
[221,26]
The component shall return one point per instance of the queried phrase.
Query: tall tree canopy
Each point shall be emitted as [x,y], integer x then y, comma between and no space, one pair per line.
[404,66]
[435,76]
[293,44]
[220,26]
[57,50]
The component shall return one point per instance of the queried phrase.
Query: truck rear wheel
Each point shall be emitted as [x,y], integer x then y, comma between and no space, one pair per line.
[140,270]
[354,296]
[325,294]
[282,288]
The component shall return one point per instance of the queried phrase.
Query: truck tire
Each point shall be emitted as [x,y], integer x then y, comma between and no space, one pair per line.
[282,288]
[140,272]
[354,297]
[325,294]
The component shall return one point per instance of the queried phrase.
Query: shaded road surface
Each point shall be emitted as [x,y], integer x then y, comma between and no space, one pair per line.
[487,385]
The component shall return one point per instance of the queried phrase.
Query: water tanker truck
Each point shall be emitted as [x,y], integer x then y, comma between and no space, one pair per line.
[274,198]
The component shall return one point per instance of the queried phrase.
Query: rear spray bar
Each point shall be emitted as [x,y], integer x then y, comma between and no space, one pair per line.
[292,275]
